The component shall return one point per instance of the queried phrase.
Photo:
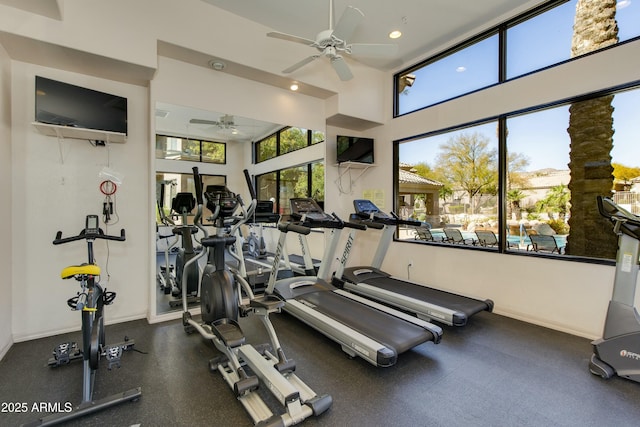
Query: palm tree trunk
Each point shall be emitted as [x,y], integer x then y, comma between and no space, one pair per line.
[591,132]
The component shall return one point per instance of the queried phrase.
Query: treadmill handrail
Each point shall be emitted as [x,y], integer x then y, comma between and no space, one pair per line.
[623,220]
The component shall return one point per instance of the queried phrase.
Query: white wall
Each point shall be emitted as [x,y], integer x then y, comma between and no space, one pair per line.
[50,191]
[561,294]
[55,185]
[6,257]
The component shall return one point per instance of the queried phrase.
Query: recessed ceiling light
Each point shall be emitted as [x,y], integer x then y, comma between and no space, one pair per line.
[217,65]
[395,34]
[294,86]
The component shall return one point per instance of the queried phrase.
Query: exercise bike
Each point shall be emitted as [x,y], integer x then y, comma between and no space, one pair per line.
[220,309]
[187,274]
[90,301]
[618,351]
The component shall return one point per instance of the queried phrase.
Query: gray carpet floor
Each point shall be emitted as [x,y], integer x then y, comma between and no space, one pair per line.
[495,371]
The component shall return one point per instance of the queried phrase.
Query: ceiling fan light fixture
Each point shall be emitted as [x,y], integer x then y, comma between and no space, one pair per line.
[395,34]
[217,65]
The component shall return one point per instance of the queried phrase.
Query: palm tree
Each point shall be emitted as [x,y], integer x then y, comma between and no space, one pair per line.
[514,197]
[591,133]
[556,200]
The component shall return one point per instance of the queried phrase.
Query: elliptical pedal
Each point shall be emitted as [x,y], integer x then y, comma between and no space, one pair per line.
[229,332]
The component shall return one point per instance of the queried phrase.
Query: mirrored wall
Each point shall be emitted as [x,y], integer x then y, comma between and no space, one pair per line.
[187,137]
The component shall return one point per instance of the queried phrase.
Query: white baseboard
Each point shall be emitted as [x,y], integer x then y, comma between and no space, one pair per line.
[76,328]
[5,348]
[545,324]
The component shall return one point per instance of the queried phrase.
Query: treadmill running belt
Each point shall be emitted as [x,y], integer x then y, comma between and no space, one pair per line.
[468,306]
[384,328]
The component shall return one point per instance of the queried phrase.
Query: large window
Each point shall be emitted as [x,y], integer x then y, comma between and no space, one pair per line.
[450,180]
[542,200]
[538,39]
[195,150]
[285,141]
[464,70]
[300,181]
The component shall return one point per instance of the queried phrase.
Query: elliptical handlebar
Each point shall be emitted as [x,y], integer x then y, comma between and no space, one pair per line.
[198,184]
[252,190]
[245,215]
[163,217]
[59,240]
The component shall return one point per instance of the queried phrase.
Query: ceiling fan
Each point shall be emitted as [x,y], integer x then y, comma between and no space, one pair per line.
[334,42]
[226,121]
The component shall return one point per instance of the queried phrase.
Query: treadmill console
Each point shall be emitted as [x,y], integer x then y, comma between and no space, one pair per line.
[310,214]
[264,213]
[367,210]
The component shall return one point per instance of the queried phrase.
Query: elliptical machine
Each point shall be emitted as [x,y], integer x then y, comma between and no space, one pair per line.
[187,274]
[166,276]
[618,351]
[220,309]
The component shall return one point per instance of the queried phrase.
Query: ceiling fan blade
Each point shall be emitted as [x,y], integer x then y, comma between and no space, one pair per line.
[342,69]
[372,49]
[347,24]
[289,37]
[203,122]
[300,64]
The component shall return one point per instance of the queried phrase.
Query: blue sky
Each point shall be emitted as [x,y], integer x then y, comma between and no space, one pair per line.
[542,136]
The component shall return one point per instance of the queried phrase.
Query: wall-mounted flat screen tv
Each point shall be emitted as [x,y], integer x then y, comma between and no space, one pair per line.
[354,149]
[64,104]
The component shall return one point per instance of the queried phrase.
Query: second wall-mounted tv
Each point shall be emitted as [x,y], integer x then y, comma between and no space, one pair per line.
[64,104]
[354,149]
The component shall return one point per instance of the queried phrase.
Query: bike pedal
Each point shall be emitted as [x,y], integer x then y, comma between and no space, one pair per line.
[108,297]
[113,356]
[62,352]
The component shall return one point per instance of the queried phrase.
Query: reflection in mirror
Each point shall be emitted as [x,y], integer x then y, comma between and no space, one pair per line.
[193,135]
[194,123]
[195,150]
[176,239]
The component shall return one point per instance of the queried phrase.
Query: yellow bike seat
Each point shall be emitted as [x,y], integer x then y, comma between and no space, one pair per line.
[79,270]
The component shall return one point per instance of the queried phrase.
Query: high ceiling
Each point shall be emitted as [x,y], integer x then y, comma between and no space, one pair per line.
[426,25]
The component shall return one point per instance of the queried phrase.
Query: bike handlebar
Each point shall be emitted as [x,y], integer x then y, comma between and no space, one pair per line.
[88,236]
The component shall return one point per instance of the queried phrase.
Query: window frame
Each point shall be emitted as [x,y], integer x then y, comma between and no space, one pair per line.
[278,151]
[501,29]
[310,190]
[501,120]
[200,141]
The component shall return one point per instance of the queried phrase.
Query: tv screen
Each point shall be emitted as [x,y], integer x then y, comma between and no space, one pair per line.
[64,104]
[354,149]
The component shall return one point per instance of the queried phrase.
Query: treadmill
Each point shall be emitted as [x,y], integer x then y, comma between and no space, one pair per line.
[425,302]
[362,327]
